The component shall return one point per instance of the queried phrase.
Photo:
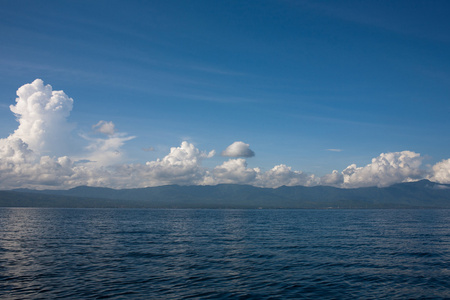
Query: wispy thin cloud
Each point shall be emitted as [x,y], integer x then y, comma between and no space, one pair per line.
[26,67]
[368,19]
[148,149]
[335,150]
[218,71]
[4,106]
[225,99]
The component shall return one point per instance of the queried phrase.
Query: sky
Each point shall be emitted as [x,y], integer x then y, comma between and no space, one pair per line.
[127,94]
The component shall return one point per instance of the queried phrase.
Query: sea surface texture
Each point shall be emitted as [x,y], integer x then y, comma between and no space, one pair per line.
[224,254]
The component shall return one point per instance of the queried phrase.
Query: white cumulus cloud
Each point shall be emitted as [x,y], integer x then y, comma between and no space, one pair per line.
[385,170]
[238,149]
[43,129]
[181,166]
[441,172]
[234,171]
[20,167]
[41,113]
[284,175]
[333,179]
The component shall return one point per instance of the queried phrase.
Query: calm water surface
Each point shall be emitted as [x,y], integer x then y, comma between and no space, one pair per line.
[224,254]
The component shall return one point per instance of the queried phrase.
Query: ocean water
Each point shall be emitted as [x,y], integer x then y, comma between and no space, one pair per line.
[224,254]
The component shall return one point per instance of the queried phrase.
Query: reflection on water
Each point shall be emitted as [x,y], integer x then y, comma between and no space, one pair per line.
[259,254]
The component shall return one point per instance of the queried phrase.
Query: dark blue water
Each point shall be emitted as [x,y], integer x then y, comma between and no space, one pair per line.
[225,254]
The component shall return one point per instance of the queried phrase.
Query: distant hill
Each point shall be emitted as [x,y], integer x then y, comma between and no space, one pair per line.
[420,194]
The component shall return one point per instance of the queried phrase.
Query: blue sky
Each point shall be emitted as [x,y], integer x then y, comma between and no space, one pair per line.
[290,79]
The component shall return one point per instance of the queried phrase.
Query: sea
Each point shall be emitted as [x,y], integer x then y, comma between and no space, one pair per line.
[50,253]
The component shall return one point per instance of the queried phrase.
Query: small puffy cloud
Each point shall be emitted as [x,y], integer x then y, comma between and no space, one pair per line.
[441,172]
[385,170]
[186,154]
[148,149]
[238,149]
[104,127]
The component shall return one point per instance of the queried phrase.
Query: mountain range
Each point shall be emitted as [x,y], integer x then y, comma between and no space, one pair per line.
[420,194]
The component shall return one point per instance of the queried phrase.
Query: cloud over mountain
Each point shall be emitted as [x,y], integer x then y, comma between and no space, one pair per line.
[441,172]
[284,175]
[386,169]
[335,178]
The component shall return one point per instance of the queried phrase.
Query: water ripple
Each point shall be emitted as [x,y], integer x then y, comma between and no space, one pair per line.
[224,254]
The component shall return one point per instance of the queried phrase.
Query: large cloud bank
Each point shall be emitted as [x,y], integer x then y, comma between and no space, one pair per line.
[31,157]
